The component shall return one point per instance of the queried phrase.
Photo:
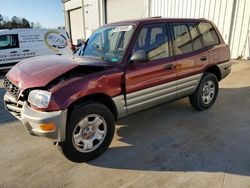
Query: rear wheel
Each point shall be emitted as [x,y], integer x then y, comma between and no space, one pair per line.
[89,132]
[206,93]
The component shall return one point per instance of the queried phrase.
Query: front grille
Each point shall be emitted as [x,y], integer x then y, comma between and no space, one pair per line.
[14,90]
[14,106]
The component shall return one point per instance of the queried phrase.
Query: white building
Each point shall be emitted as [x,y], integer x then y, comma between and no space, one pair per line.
[232,17]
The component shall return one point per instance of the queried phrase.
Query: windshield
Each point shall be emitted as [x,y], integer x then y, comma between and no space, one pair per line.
[107,43]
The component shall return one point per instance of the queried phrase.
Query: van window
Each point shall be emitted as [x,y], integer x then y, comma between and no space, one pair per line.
[181,39]
[195,37]
[9,41]
[154,40]
[208,34]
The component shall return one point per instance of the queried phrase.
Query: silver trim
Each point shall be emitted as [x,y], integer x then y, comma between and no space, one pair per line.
[149,97]
[31,117]
[156,95]
[119,102]
[12,105]
[225,69]
[187,86]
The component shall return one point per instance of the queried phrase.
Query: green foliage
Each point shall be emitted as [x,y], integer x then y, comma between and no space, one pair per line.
[16,22]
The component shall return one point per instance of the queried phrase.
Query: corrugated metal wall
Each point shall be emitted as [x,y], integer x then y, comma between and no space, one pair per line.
[232,17]
[118,10]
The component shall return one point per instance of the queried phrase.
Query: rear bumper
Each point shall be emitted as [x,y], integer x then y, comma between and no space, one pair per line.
[225,69]
[32,119]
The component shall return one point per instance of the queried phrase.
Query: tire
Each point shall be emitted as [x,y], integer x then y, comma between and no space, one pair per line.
[97,126]
[201,99]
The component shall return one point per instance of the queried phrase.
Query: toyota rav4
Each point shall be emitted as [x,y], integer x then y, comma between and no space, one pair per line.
[123,68]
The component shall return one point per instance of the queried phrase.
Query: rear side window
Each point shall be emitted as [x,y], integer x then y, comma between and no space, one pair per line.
[9,41]
[153,39]
[208,34]
[182,41]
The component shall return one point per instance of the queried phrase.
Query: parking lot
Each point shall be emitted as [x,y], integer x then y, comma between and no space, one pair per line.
[168,146]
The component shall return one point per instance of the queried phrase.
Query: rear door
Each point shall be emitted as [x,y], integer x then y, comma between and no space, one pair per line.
[191,57]
[212,43]
[9,49]
[152,82]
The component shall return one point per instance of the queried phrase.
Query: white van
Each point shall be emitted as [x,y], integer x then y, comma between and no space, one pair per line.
[18,44]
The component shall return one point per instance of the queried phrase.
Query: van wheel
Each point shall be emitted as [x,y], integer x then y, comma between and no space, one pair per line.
[89,132]
[206,93]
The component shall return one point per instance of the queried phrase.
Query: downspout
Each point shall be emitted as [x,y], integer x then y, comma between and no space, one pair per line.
[83,15]
[149,8]
[66,19]
[232,23]
[99,12]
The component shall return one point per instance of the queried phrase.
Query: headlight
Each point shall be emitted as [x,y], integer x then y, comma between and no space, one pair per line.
[39,98]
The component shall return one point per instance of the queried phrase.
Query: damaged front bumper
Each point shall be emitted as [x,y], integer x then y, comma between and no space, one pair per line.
[35,121]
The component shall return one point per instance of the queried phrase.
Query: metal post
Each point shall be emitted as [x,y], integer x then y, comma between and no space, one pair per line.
[83,14]
[66,18]
[99,13]
[149,7]
[232,23]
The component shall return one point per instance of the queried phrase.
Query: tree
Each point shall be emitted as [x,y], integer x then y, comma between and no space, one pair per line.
[36,25]
[1,21]
[16,22]
[25,23]
[1,18]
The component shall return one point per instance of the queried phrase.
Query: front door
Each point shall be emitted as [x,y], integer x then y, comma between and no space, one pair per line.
[152,82]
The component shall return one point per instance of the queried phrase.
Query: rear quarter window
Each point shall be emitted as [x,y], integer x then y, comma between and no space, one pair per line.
[208,34]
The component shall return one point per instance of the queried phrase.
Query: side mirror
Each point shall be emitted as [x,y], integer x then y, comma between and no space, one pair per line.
[139,56]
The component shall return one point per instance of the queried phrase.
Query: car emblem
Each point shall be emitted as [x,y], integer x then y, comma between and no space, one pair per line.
[10,87]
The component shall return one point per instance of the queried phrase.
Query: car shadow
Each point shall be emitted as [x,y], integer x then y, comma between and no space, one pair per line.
[175,137]
[5,116]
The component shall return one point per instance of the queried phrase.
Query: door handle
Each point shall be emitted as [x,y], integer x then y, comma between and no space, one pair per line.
[26,50]
[169,66]
[203,58]
[13,52]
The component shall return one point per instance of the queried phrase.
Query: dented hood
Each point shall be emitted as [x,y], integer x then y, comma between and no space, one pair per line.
[39,71]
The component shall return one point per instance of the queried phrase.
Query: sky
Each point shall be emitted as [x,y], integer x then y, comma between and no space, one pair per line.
[49,13]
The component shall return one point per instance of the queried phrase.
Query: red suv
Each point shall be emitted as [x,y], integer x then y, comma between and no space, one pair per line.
[123,68]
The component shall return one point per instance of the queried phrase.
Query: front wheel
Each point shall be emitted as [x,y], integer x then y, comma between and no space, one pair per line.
[89,132]
[206,93]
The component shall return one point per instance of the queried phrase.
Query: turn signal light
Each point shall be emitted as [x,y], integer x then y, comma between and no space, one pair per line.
[48,127]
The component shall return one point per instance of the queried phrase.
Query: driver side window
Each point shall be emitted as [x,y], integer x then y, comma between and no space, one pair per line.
[153,39]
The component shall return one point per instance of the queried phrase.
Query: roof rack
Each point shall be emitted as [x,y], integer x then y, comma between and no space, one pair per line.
[155,17]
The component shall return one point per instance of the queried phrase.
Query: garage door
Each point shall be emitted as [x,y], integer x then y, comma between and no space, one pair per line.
[76,24]
[117,10]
